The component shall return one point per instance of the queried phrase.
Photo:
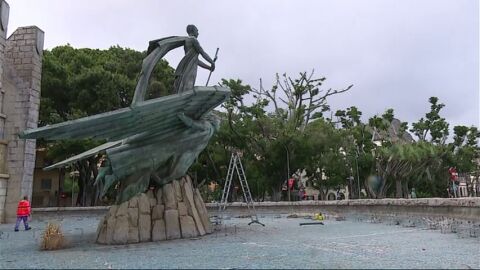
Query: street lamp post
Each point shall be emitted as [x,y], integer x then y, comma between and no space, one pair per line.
[73,189]
[288,171]
[358,175]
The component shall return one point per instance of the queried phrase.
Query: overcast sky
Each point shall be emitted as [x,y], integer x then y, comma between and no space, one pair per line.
[396,53]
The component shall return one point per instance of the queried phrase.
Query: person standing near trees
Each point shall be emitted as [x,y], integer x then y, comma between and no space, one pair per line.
[454,181]
[23,212]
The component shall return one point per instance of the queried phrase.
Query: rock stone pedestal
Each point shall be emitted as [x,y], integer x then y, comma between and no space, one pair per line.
[173,211]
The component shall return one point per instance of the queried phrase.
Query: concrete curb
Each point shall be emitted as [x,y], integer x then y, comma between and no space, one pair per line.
[67,209]
[430,202]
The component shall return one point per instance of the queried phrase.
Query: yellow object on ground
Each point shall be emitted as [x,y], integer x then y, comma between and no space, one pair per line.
[318,216]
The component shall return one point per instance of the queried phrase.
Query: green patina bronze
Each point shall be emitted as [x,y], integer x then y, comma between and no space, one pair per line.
[152,140]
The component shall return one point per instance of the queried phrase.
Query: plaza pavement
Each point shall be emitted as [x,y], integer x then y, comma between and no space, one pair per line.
[282,243]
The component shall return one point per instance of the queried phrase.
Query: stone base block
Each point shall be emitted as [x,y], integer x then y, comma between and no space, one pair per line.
[172,212]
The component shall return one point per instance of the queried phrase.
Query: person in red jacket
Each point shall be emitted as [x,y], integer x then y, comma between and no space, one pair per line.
[23,212]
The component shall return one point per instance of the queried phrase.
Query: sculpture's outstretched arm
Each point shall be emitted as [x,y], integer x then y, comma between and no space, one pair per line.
[202,52]
[203,65]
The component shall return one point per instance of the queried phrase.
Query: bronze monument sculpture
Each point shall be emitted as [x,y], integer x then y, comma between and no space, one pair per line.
[152,141]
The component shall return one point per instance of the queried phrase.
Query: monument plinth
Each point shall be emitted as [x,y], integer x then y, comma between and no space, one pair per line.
[173,211]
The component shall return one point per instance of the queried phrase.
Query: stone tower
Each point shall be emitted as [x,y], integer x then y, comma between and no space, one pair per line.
[20,79]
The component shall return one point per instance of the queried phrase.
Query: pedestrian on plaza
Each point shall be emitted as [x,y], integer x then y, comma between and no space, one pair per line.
[414,194]
[23,212]
[302,194]
[454,180]
[455,189]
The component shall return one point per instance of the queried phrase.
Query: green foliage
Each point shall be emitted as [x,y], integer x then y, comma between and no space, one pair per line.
[349,118]
[420,164]
[326,162]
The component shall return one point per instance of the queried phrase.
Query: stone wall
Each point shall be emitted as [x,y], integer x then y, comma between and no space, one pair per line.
[459,208]
[20,77]
[4,13]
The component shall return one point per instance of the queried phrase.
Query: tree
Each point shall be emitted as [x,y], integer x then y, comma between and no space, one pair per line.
[301,99]
[411,163]
[296,102]
[462,152]
[323,155]
[273,141]
[433,125]
[358,147]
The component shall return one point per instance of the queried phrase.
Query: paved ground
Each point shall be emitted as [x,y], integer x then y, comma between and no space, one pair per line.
[281,244]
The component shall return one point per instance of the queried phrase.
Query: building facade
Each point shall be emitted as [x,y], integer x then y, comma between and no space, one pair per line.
[45,183]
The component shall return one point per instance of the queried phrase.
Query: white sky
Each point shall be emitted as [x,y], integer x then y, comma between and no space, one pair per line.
[397,53]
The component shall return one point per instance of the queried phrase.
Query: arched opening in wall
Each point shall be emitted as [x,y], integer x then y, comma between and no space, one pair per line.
[341,196]
[331,197]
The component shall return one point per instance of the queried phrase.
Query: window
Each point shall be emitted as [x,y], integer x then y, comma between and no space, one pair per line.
[46,184]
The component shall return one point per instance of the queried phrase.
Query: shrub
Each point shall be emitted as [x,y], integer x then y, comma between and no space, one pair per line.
[52,237]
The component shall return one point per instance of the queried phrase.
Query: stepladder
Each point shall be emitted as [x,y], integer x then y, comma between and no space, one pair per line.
[235,167]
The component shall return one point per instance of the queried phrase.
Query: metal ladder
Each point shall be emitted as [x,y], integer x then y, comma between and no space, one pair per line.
[235,165]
